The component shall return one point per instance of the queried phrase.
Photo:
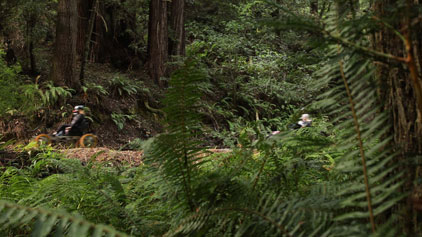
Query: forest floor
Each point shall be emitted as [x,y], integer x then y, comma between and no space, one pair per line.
[116,157]
[104,155]
[136,118]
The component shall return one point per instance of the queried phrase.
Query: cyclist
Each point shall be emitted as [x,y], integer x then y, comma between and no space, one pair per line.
[76,127]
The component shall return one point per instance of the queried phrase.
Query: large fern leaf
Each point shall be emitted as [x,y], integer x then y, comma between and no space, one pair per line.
[177,150]
[269,215]
[353,101]
[46,221]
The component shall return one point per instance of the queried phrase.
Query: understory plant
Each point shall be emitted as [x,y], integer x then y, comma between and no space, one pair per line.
[68,187]
[10,98]
[339,177]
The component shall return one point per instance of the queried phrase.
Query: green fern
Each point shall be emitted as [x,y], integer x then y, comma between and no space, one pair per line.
[369,161]
[269,215]
[48,221]
[53,94]
[43,97]
[93,91]
[10,98]
[120,119]
[94,88]
[121,85]
[92,191]
[177,150]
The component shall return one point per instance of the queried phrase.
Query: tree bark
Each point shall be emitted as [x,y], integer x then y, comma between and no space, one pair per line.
[31,22]
[157,40]
[314,7]
[177,26]
[399,90]
[88,40]
[84,15]
[63,71]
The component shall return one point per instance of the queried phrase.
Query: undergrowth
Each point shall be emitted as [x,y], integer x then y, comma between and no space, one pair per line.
[336,178]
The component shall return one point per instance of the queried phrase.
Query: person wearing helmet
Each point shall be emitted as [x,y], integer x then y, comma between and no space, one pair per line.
[75,128]
[305,121]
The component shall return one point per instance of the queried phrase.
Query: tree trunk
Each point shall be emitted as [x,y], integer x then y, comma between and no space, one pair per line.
[88,40]
[398,90]
[30,35]
[63,71]
[397,87]
[157,40]
[314,7]
[84,14]
[177,36]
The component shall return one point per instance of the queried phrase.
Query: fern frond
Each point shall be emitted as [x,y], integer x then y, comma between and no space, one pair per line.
[373,182]
[369,139]
[177,150]
[269,216]
[48,221]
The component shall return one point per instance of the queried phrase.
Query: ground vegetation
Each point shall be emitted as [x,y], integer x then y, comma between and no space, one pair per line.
[185,97]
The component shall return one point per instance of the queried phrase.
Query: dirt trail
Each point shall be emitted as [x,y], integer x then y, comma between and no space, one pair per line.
[102,154]
[116,157]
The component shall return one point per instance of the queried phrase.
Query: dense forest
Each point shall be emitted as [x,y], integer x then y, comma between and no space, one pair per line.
[251,118]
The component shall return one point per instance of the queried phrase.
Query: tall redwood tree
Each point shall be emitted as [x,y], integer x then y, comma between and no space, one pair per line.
[63,71]
[177,26]
[314,6]
[84,13]
[400,88]
[157,40]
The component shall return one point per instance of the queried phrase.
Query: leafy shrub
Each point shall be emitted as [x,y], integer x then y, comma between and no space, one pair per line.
[120,119]
[68,185]
[121,85]
[94,91]
[177,150]
[44,97]
[10,97]
[253,73]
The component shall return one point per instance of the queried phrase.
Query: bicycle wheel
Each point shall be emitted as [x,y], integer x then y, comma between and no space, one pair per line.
[43,140]
[88,140]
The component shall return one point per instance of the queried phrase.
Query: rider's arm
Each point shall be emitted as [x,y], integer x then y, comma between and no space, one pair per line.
[76,119]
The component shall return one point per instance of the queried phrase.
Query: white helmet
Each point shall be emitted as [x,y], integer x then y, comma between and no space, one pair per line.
[77,108]
[304,116]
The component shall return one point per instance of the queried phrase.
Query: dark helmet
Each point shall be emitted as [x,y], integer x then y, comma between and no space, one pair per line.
[77,108]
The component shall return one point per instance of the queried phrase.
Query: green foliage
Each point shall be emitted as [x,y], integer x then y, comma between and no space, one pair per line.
[135,14]
[121,85]
[382,185]
[26,23]
[120,119]
[50,181]
[10,98]
[269,216]
[254,73]
[17,97]
[305,182]
[43,97]
[364,139]
[94,88]
[139,144]
[177,150]
[94,92]
[50,221]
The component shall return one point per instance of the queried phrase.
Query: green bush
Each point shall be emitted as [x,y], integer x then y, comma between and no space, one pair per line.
[121,85]
[43,96]
[10,97]
[120,119]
